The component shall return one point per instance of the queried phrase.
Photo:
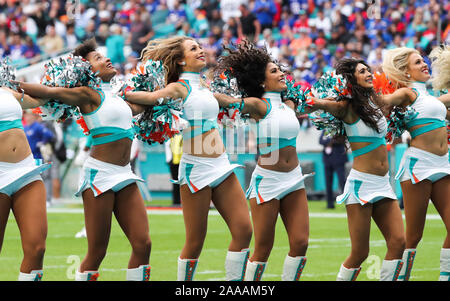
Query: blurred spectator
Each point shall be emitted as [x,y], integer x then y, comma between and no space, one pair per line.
[51,43]
[248,25]
[115,44]
[141,32]
[265,11]
[334,158]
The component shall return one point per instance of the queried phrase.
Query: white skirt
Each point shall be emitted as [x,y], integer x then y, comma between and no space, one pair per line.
[199,172]
[14,176]
[102,176]
[418,165]
[266,184]
[362,188]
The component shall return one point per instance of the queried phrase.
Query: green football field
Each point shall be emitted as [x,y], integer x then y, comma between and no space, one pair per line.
[329,245]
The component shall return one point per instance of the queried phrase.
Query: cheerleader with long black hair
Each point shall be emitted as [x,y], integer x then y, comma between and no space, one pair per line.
[367,193]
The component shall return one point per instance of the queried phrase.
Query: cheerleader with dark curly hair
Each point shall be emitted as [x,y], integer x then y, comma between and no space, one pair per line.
[107,183]
[277,183]
[367,193]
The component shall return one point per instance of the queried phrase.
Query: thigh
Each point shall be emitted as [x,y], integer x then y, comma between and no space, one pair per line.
[29,208]
[97,217]
[5,207]
[415,201]
[264,217]
[440,197]
[359,218]
[294,213]
[229,200]
[130,212]
[195,210]
[388,217]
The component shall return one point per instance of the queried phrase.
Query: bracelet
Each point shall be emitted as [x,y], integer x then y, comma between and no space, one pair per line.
[241,107]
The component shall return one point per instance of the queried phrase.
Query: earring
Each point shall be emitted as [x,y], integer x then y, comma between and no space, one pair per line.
[183,63]
[408,75]
[263,86]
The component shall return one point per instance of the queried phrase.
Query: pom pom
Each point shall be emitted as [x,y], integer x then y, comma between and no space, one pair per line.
[382,84]
[329,85]
[225,83]
[295,93]
[7,74]
[71,71]
[160,123]
[397,120]
[157,123]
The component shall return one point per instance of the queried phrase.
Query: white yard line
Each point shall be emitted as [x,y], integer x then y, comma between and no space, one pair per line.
[215,212]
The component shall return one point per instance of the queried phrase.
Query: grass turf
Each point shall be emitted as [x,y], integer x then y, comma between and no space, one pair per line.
[329,245]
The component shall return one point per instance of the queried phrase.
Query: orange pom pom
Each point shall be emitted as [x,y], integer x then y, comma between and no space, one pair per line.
[382,84]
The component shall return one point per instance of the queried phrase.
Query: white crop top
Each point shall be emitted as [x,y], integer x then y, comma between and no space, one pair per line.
[359,131]
[113,116]
[431,111]
[200,107]
[10,108]
[10,111]
[280,127]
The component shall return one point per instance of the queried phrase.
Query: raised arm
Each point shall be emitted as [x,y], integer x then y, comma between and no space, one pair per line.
[78,96]
[172,90]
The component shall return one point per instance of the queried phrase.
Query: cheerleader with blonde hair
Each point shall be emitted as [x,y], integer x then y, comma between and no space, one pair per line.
[205,172]
[424,172]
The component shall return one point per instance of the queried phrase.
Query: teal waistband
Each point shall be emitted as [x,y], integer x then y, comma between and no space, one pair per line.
[13,124]
[274,144]
[114,134]
[375,142]
[200,126]
[432,124]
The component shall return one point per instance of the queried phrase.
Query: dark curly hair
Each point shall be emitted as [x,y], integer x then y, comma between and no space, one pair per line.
[361,97]
[85,48]
[247,64]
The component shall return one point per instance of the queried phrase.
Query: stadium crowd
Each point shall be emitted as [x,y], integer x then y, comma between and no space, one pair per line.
[307,35]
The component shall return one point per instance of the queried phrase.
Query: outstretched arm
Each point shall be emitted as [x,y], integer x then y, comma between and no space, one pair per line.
[77,96]
[401,97]
[26,101]
[336,108]
[253,106]
[172,91]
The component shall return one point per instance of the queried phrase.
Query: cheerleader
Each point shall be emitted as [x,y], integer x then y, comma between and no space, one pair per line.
[21,187]
[107,183]
[205,172]
[424,172]
[367,192]
[277,183]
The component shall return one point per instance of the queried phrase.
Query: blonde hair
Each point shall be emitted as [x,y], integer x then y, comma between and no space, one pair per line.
[170,52]
[440,58]
[395,65]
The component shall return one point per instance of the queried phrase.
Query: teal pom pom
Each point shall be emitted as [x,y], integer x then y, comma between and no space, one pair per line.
[68,72]
[157,123]
[397,120]
[329,85]
[7,74]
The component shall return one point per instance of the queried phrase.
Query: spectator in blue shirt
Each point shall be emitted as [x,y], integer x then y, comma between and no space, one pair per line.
[264,10]
[37,134]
